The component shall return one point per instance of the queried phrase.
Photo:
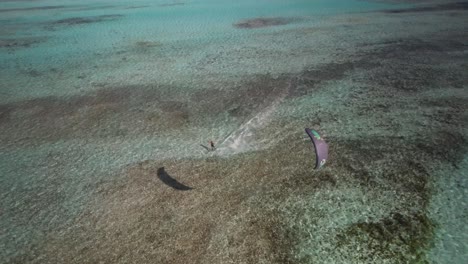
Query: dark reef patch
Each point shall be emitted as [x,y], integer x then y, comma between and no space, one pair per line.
[87,115]
[405,169]
[146,46]
[31,72]
[25,42]
[86,20]
[36,8]
[444,145]
[398,237]
[264,22]
[252,95]
[417,65]
[421,48]
[4,113]
[136,7]
[246,98]
[439,7]
[90,8]
[64,7]
[408,77]
[172,4]
[310,79]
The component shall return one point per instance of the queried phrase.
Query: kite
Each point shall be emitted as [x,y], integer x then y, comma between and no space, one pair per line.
[320,146]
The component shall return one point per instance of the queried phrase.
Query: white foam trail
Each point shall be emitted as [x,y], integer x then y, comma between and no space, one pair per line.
[242,139]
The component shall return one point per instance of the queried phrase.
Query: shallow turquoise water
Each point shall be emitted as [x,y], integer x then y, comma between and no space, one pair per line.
[182,49]
[184,31]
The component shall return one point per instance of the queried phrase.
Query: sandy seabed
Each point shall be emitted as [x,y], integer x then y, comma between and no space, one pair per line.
[106,161]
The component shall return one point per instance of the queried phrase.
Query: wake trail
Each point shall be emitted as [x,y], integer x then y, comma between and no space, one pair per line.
[243,139]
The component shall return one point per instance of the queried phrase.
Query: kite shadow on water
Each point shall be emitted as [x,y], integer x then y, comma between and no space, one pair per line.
[171,182]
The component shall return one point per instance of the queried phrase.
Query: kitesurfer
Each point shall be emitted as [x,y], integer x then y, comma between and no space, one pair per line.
[212,145]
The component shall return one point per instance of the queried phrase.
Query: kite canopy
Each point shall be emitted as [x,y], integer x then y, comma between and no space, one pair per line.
[320,146]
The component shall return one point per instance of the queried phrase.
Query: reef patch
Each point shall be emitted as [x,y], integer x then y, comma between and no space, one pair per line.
[20,42]
[263,22]
[36,8]
[172,4]
[398,237]
[86,20]
[456,6]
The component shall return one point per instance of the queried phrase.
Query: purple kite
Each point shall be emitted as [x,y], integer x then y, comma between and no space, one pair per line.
[321,148]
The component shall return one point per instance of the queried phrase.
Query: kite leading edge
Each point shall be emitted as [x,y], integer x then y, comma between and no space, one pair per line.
[320,146]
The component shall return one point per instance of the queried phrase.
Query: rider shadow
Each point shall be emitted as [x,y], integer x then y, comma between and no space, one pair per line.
[171,182]
[205,147]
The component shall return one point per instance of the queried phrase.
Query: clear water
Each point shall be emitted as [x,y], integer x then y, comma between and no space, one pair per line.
[186,33]
[90,88]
